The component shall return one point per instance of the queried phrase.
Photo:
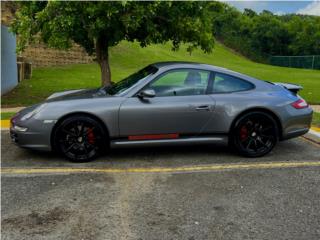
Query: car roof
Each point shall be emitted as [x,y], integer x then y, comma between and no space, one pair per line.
[178,64]
[203,66]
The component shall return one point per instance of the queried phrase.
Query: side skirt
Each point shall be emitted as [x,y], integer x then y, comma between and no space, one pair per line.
[214,139]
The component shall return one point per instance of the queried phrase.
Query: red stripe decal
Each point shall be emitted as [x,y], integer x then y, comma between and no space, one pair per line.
[154,136]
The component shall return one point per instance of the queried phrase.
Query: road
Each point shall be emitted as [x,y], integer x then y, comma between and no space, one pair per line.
[199,192]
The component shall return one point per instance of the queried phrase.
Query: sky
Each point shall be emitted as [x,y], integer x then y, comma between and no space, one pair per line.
[309,7]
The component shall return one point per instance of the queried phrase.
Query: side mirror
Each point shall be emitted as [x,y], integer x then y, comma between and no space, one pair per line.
[147,93]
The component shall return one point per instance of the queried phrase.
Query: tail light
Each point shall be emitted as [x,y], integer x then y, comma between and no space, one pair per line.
[299,104]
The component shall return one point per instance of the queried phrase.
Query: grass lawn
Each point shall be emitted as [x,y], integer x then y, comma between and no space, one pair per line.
[7,115]
[127,58]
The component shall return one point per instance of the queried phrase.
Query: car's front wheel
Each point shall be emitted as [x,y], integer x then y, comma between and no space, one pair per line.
[255,134]
[80,138]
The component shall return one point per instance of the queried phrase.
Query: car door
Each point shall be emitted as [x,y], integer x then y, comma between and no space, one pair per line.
[231,95]
[180,106]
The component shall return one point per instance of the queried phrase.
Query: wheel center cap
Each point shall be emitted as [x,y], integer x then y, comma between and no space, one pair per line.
[79,139]
[254,134]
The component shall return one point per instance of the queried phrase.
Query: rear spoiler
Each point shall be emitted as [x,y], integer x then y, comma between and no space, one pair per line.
[291,87]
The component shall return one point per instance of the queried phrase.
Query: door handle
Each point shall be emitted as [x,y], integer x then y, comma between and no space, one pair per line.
[203,108]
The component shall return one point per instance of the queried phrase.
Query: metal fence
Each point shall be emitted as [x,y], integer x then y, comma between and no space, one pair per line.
[310,62]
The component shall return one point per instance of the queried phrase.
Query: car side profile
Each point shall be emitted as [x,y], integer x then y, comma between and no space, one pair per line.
[167,103]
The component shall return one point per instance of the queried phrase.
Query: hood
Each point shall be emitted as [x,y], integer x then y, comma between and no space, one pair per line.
[77,94]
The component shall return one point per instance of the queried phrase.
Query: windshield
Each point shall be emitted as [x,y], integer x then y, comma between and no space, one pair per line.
[130,81]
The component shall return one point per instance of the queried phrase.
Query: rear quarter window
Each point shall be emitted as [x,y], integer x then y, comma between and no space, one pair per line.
[224,83]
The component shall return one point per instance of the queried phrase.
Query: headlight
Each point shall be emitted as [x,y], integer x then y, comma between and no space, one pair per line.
[33,112]
[20,129]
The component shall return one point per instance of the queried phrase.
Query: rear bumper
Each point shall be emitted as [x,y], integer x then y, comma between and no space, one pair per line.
[297,124]
[296,133]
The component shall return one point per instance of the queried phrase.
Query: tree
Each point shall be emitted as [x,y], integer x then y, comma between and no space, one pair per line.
[305,32]
[249,12]
[259,36]
[270,36]
[97,26]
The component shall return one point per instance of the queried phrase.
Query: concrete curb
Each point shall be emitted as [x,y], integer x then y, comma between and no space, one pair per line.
[315,132]
[14,109]
[316,108]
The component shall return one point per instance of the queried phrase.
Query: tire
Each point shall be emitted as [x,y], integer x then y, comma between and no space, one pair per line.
[80,138]
[255,134]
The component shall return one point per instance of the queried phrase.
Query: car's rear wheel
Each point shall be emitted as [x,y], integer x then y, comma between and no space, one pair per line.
[255,134]
[80,138]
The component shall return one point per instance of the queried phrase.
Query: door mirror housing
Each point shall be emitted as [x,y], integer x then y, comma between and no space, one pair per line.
[147,93]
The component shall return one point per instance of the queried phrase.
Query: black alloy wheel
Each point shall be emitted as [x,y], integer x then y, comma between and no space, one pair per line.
[80,138]
[255,134]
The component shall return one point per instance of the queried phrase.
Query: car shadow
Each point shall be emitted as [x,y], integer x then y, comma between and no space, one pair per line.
[165,156]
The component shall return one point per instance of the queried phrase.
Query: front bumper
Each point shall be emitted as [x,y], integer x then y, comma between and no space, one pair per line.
[30,140]
[37,136]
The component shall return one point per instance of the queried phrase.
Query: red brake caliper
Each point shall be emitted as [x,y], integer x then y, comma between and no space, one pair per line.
[91,137]
[243,133]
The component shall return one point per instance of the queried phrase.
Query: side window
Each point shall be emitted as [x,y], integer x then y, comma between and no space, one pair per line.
[224,83]
[181,82]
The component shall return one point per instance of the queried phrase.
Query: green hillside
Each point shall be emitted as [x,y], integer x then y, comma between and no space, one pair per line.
[126,58]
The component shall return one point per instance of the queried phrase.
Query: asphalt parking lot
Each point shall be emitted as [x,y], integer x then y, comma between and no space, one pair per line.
[199,192]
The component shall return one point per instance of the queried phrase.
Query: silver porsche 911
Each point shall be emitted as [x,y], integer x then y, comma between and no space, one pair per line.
[166,103]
